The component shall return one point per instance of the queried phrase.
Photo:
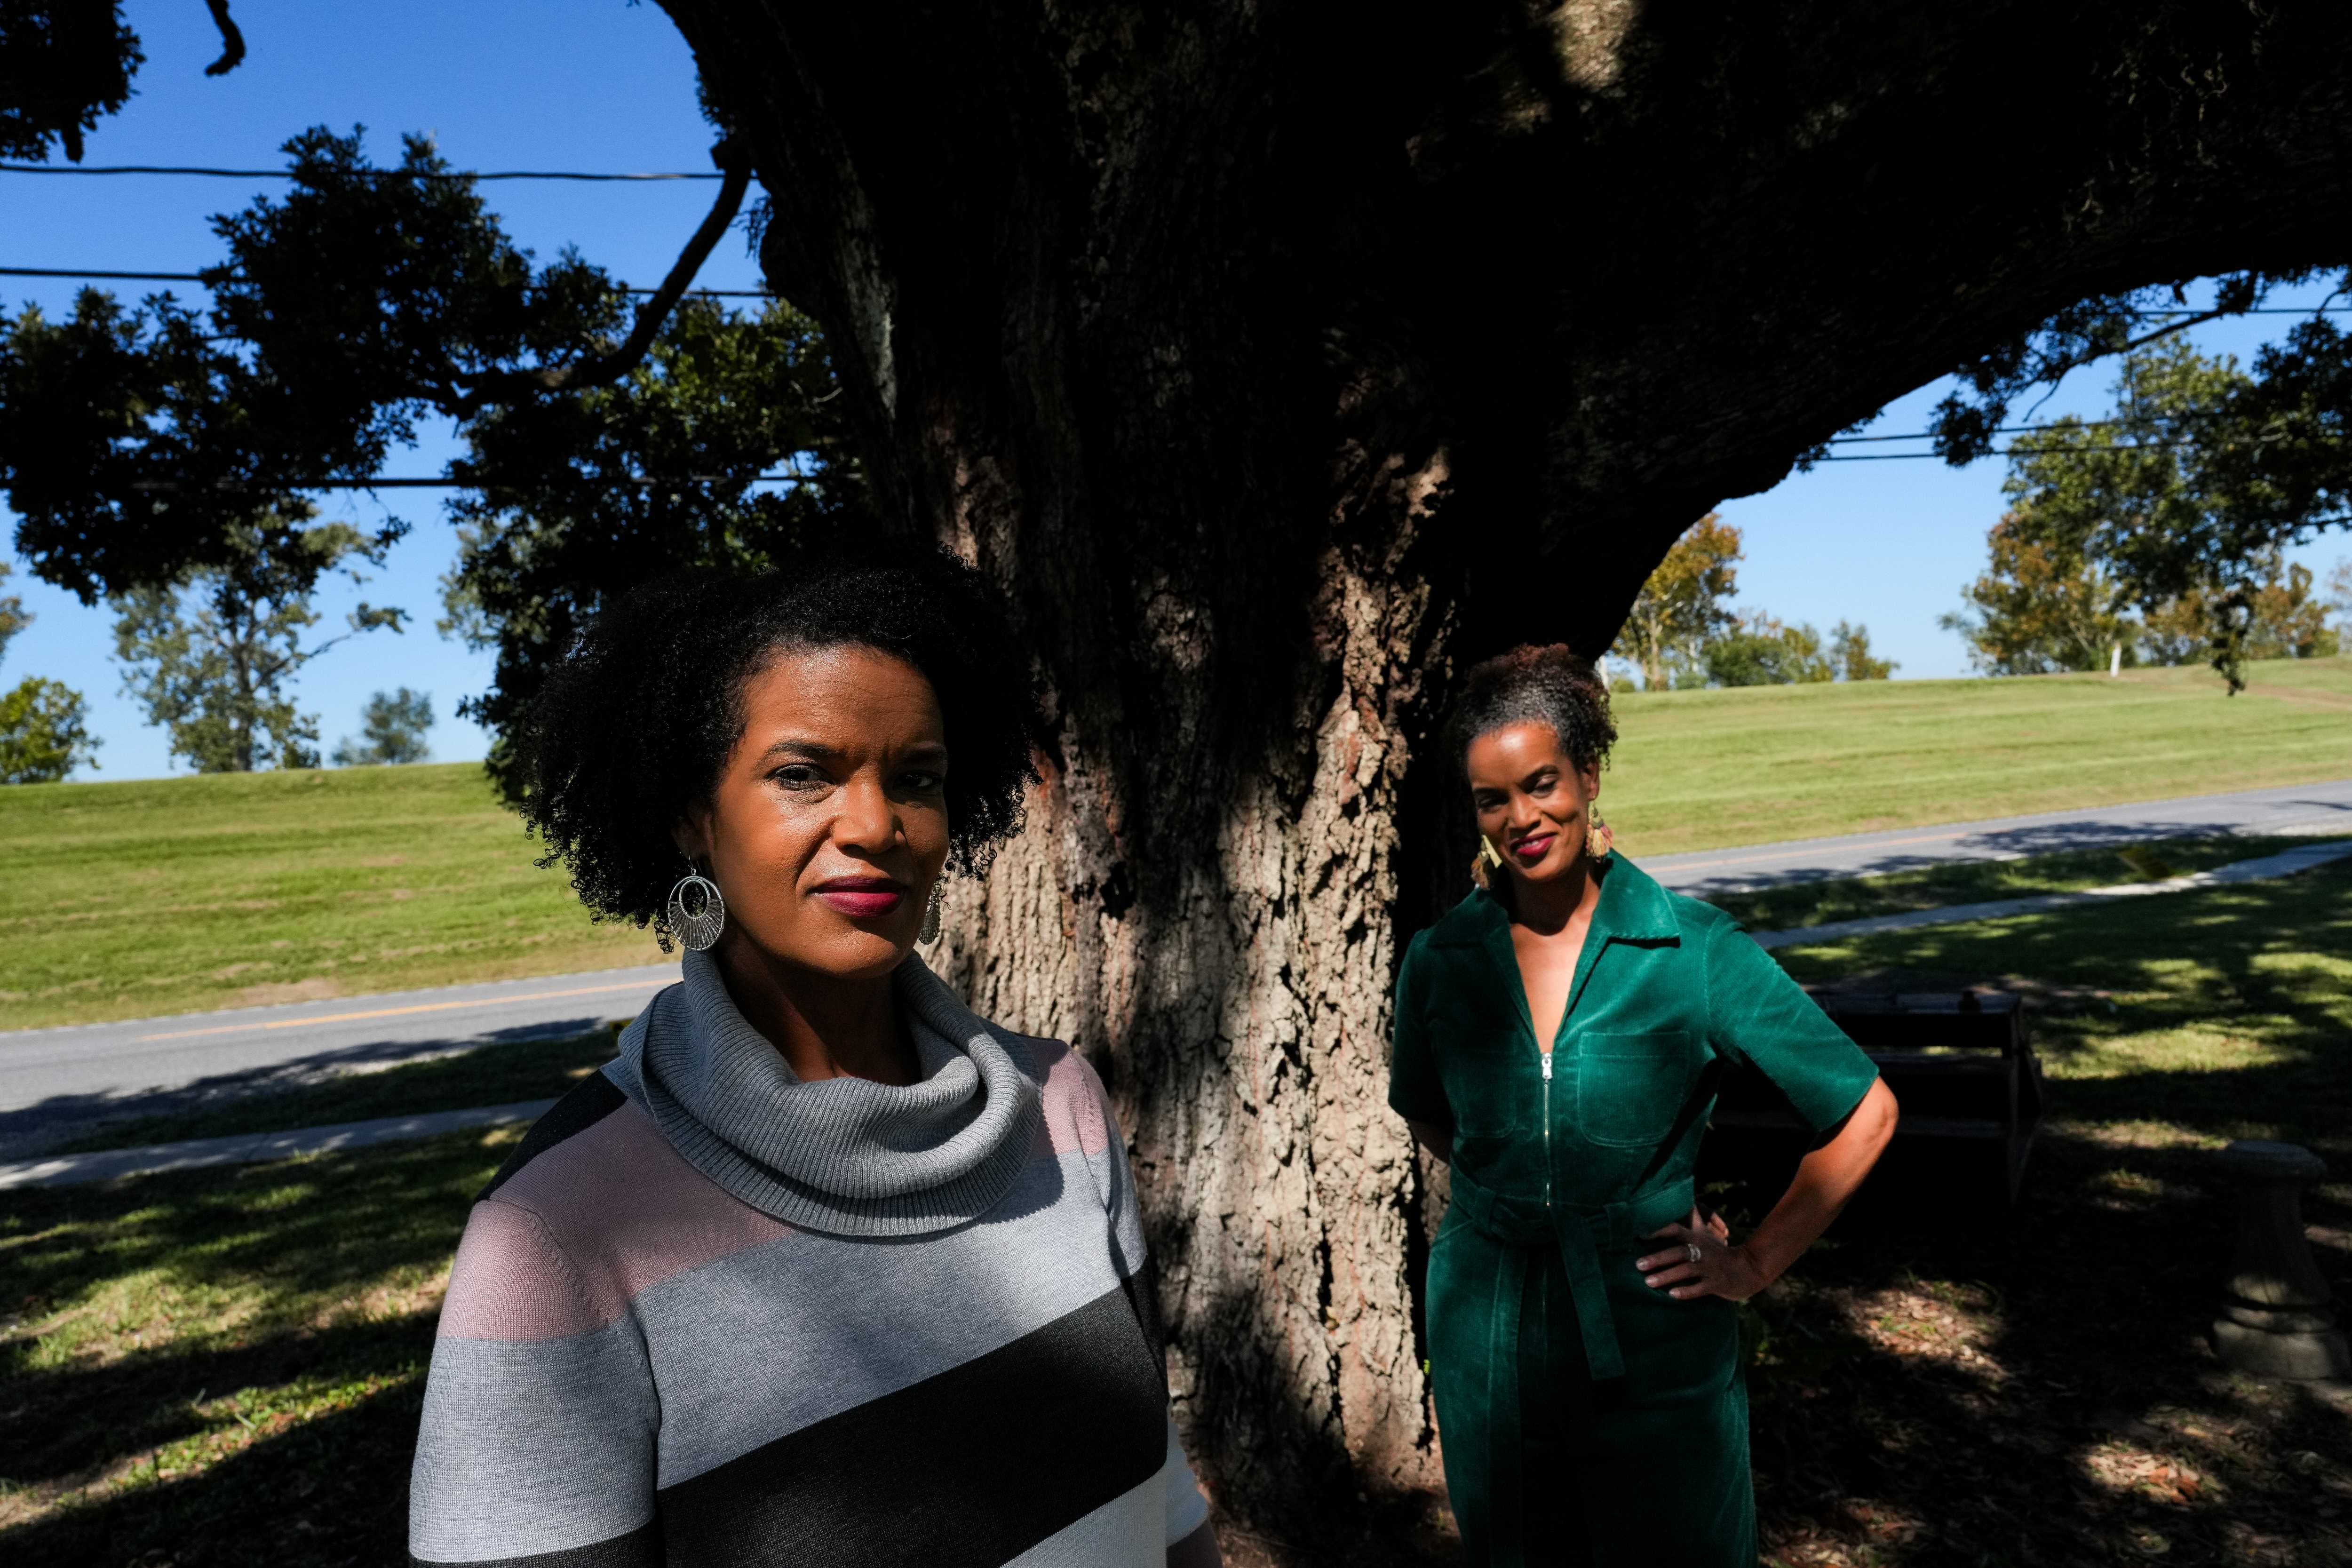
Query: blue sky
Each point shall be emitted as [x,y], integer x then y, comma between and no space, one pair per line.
[604,85]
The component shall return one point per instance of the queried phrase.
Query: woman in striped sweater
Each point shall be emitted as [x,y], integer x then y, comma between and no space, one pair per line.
[823,1270]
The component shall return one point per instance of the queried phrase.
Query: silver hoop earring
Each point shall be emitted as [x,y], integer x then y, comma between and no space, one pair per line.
[698,925]
[930,932]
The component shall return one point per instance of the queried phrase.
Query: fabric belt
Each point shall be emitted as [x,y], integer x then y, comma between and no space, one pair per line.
[1581,1234]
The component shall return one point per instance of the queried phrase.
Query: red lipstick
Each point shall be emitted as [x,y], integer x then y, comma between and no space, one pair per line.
[863,898]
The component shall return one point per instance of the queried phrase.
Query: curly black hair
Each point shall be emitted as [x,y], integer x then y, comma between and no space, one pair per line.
[630,730]
[1548,684]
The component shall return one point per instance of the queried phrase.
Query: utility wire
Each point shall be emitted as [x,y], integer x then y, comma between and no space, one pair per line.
[390,482]
[198,278]
[2006,452]
[372,174]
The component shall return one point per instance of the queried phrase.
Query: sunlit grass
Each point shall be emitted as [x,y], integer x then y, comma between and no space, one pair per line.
[174,895]
[1699,770]
[1949,1381]
[129,899]
[2223,1012]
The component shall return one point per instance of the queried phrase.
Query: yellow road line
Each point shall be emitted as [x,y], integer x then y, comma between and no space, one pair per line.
[398,1012]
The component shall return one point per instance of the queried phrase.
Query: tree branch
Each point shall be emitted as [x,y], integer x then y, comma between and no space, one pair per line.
[232,40]
[734,161]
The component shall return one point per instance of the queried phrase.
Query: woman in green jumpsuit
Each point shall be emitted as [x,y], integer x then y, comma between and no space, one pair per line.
[1560,1035]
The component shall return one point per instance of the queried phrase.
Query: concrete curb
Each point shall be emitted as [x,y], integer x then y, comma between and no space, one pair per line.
[2262,871]
[251,1148]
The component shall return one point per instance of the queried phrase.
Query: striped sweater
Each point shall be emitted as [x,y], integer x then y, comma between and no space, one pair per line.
[706,1315]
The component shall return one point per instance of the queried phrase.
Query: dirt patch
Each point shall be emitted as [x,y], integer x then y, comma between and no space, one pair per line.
[318,988]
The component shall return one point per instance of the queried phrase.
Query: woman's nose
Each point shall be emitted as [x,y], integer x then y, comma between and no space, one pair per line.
[867,820]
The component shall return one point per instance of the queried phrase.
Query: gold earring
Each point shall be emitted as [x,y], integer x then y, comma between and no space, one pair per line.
[1598,840]
[1487,856]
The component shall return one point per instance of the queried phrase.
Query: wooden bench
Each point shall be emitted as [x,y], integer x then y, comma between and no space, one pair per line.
[1959,1063]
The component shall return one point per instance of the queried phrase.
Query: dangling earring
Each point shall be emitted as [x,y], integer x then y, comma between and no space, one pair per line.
[696,927]
[930,932]
[1598,839]
[1488,859]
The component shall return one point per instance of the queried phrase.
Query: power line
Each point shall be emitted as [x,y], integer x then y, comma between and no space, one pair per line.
[402,482]
[199,277]
[369,173]
[2004,452]
[1929,435]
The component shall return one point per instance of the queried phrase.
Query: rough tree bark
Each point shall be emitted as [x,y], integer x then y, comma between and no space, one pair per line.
[1277,357]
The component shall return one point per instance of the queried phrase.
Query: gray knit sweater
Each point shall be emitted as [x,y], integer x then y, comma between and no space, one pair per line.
[712,1314]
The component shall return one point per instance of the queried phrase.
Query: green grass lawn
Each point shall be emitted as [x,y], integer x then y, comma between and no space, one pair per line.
[1699,770]
[173,895]
[1941,1386]
[225,1367]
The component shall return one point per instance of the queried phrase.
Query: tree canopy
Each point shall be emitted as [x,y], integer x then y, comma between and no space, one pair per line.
[2177,505]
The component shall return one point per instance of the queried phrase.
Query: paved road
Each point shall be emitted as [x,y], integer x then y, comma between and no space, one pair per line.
[54,1080]
[2320,808]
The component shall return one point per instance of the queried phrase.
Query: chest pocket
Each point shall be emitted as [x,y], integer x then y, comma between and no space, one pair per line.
[1630,1088]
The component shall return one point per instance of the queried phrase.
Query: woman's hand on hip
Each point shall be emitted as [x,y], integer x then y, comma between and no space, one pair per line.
[1698,1260]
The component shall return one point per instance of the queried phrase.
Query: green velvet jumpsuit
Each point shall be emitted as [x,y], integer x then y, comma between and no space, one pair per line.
[1586,1417]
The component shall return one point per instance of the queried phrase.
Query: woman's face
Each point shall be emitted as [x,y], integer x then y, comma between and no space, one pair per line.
[1532,799]
[829,824]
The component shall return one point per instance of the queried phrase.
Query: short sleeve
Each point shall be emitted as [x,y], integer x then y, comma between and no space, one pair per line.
[1758,1017]
[1416,1092]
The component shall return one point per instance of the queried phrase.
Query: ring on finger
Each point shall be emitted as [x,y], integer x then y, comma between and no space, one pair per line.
[1692,1248]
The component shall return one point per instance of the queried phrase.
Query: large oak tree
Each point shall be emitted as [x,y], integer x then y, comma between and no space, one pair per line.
[1277,358]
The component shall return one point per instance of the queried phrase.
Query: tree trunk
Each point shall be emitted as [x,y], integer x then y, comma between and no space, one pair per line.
[1277,357]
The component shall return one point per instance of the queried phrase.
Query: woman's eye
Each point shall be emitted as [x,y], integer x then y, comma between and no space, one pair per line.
[798,775]
[921,783]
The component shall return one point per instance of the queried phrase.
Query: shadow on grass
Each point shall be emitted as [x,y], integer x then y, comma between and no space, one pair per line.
[1947,1381]
[1947,1387]
[224,1366]
[334,1490]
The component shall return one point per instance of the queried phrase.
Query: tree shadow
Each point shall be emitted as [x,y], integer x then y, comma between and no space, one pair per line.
[1940,1387]
[32,1129]
[304,1289]
[331,1491]
[2015,843]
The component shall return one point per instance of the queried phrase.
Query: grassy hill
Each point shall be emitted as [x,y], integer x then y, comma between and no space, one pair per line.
[1699,770]
[170,895]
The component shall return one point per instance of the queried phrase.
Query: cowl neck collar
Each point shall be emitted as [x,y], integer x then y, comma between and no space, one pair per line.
[844,1155]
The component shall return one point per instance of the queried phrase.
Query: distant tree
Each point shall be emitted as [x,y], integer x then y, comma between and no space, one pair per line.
[1682,605]
[1758,650]
[2181,499]
[1850,653]
[43,724]
[210,656]
[2045,604]
[2339,599]
[43,733]
[13,616]
[2283,617]
[392,727]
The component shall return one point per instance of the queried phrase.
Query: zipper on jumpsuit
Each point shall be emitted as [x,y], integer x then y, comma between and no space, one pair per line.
[1547,1116]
